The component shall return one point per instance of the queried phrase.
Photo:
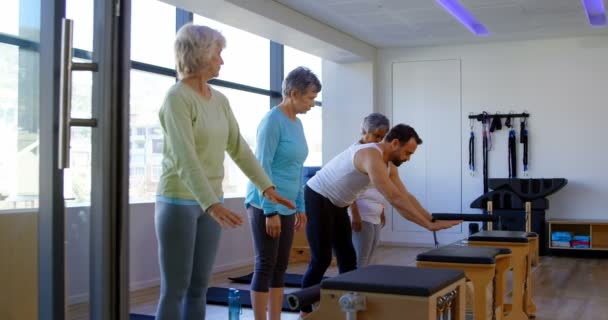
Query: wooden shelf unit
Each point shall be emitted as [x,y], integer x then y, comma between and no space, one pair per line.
[597,230]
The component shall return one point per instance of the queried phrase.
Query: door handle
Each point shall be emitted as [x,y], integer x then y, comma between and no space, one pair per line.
[65,93]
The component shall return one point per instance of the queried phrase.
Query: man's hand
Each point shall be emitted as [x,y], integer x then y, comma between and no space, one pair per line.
[275,197]
[300,221]
[273,226]
[224,216]
[443,224]
[382,219]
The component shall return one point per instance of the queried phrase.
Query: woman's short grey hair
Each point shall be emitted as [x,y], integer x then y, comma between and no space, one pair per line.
[194,45]
[374,121]
[300,79]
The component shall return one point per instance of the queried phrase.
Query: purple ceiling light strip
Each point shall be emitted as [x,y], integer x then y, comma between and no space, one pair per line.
[462,15]
[595,12]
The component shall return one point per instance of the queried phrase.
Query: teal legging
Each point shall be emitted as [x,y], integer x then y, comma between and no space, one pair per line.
[188,240]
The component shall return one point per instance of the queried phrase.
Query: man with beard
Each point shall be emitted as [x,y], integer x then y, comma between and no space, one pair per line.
[338,184]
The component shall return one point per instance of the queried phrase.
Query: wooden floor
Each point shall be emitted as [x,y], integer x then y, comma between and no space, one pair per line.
[565,288]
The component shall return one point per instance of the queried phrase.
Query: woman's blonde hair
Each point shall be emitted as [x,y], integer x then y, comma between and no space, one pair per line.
[193,46]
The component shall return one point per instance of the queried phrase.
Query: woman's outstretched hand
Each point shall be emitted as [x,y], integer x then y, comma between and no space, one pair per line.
[225,217]
[276,198]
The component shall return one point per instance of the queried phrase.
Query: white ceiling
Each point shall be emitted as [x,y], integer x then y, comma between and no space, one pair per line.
[408,23]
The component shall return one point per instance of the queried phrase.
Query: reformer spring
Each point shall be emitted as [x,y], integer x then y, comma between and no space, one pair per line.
[445,305]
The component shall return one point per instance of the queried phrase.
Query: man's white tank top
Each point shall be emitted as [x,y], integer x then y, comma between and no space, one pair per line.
[339,180]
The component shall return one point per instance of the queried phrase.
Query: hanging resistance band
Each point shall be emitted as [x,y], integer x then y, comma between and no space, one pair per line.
[512,149]
[523,138]
[472,150]
[485,134]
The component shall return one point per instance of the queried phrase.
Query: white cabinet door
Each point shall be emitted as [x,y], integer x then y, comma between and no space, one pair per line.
[427,96]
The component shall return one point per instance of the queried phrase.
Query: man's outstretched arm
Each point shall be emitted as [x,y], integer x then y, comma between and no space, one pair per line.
[370,161]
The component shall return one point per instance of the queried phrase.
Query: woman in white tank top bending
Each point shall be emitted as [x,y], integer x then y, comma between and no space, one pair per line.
[367,212]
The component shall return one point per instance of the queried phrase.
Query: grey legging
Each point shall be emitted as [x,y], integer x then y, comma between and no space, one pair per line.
[366,242]
[271,254]
[187,244]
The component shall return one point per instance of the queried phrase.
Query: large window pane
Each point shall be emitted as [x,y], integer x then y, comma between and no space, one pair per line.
[294,58]
[249,109]
[246,57]
[8,120]
[81,12]
[311,121]
[153,32]
[21,18]
[146,138]
[19,158]
[9,17]
[18,127]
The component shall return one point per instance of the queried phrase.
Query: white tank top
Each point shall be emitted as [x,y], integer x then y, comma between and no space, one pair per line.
[370,204]
[339,180]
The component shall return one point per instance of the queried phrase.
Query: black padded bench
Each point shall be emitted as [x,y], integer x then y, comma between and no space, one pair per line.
[382,292]
[484,268]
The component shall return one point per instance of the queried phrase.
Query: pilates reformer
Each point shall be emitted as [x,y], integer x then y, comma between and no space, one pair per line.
[522,246]
[386,292]
[485,270]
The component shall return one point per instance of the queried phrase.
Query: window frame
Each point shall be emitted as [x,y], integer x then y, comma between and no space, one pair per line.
[277,72]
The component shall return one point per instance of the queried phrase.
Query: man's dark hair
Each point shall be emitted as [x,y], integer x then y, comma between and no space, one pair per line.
[403,133]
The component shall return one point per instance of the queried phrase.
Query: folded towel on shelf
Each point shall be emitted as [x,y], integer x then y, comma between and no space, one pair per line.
[561,236]
[579,244]
[561,244]
[581,238]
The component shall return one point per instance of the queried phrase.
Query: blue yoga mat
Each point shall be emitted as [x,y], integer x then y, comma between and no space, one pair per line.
[216,296]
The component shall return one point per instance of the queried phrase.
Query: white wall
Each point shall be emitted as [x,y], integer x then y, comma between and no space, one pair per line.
[433,173]
[348,96]
[561,83]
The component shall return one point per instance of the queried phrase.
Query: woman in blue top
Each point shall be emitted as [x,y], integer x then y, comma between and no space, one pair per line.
[281,149]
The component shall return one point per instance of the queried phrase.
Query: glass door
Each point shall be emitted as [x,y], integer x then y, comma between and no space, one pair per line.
[19,157]
[83,224]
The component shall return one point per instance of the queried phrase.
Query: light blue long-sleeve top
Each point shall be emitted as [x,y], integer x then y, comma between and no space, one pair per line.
[281,149]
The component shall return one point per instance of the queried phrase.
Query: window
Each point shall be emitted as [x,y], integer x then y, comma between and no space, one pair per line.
[19,70]
[247,62]
[249,109]
[156,172]
[294,58]
[152,32]
[9,83]
[157,146]
[312,123]
[246,56]
[147,94]
[9,17]
[81,12]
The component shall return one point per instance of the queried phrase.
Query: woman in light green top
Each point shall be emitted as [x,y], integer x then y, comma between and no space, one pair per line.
[198,127]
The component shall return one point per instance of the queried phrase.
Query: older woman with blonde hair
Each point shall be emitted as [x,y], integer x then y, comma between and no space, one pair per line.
[198,127]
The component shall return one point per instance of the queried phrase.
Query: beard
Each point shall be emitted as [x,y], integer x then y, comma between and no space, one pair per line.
[395,159]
